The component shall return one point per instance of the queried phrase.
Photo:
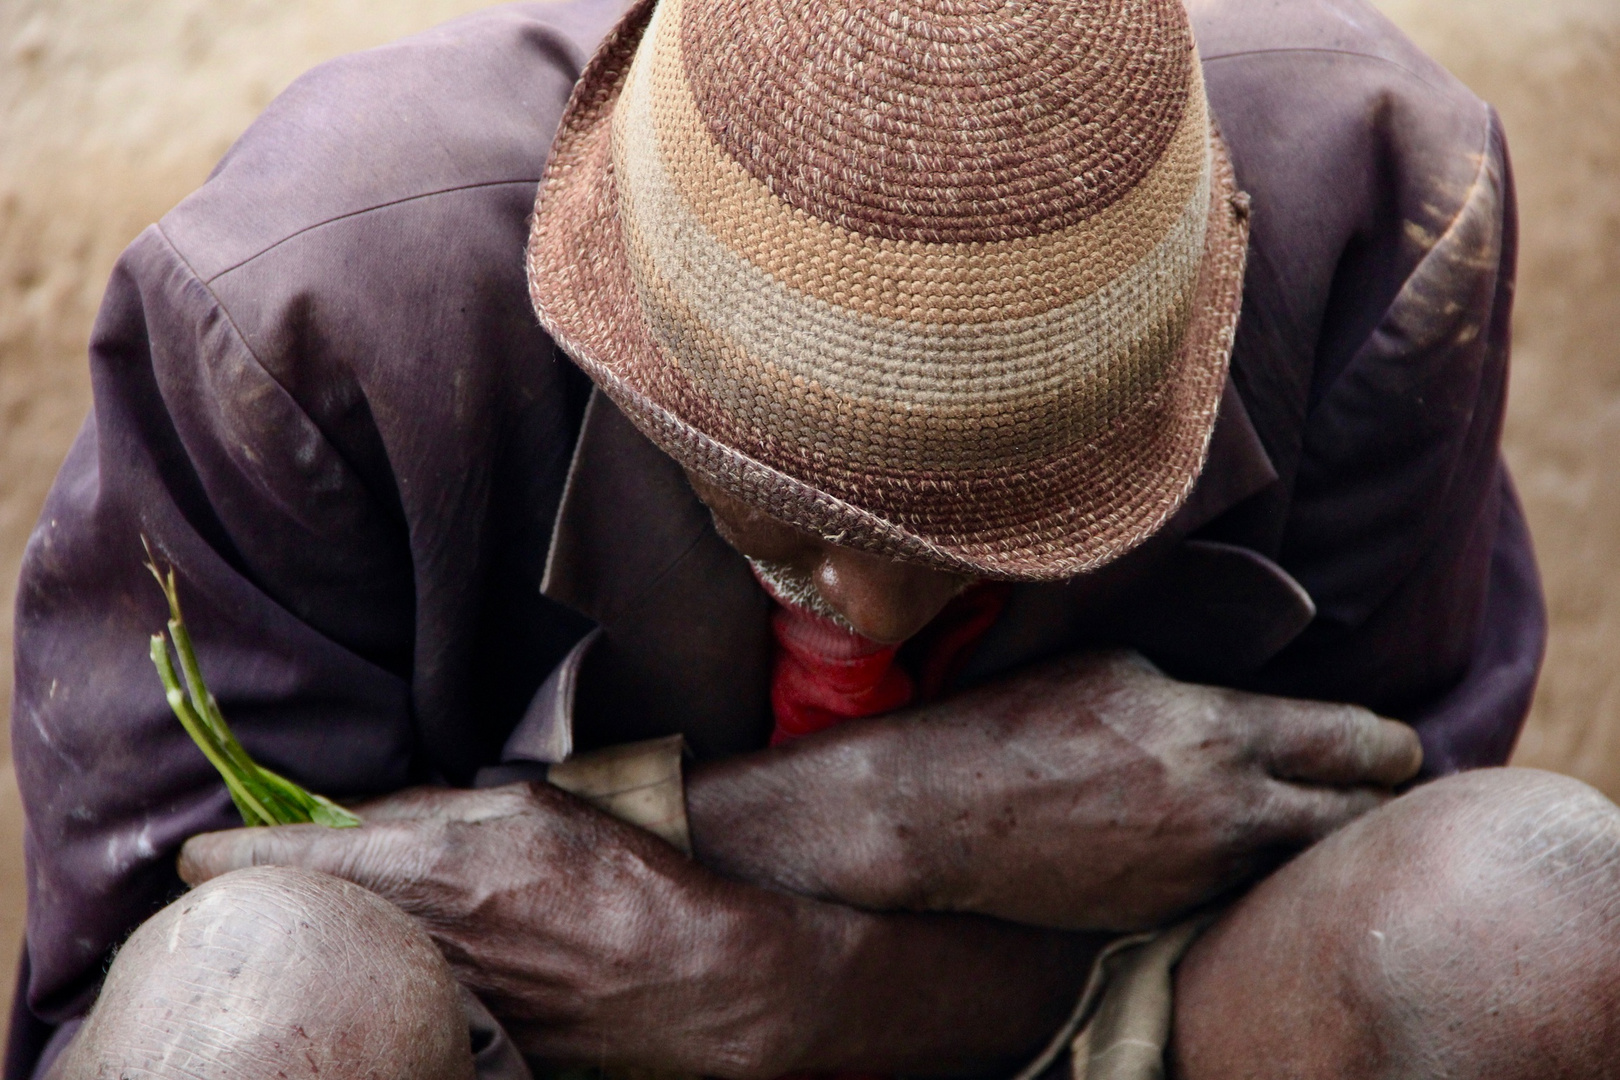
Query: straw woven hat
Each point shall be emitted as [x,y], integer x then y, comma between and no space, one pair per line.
[954,281]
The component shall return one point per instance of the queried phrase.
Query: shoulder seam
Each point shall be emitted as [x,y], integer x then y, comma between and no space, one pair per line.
[241,338]
[1283,50]
[208,281]
[1487,153]
[247,347]
[219,304]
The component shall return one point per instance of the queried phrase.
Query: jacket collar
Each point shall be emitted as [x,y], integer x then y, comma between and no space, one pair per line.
[1236,467]
[685,644]
[627,515]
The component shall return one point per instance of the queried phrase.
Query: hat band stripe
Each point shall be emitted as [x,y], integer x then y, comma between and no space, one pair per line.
[737,334]
[873,355]
[907,280]
[727,324]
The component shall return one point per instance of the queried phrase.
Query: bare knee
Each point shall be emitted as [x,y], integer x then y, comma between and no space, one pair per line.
[1470,928]
[275,972]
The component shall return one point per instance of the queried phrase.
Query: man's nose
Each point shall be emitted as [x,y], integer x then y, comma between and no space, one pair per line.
[882,599]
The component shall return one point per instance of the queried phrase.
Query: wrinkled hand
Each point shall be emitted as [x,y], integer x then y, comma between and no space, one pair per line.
[591,940]
[1093,793]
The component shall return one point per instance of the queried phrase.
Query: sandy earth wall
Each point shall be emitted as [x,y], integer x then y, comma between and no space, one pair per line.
[111,110]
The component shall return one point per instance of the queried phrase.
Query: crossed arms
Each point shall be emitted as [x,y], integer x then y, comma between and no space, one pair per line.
[920,893]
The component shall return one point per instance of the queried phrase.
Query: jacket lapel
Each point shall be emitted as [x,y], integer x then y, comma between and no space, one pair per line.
[685,646]
[1201,609]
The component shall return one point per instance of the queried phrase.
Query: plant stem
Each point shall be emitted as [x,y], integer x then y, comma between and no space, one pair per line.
[249,807]
[261,796]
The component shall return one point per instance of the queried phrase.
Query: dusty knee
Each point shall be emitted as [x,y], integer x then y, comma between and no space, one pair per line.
[273,971]
[1469,928]
[1501,931]
[1494,851]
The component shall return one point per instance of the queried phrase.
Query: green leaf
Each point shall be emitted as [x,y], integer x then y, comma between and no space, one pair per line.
[333,816]
[262,797]
[253,812]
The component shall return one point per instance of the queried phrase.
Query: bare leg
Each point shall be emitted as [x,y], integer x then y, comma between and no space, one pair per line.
[1468,929]
[273,972]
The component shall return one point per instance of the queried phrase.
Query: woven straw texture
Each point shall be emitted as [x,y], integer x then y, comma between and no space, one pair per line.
[954,281]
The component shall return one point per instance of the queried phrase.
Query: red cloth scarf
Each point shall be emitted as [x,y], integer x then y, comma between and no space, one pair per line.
[824,674]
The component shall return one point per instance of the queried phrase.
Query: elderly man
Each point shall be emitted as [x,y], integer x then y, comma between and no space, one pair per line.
[1016,453]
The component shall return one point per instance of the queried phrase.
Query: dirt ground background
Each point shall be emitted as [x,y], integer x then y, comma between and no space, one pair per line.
[111,110]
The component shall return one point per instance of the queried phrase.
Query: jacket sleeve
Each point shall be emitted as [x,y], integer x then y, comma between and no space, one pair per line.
[1403,524]
[1372,355]
[320,394]
[184,418]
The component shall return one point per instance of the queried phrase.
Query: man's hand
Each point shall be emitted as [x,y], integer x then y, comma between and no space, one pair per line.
[596,942]
[1093,793]
[581,932]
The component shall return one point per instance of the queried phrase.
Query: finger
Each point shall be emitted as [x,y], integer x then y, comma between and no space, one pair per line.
[1295,816]
[1318,743]
[446,804]
[412,804]
[313,847]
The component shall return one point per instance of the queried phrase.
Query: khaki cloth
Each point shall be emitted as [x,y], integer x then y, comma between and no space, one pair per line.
[1121,1026]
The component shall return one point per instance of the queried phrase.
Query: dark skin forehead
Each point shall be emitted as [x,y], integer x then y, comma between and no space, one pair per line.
[883,599]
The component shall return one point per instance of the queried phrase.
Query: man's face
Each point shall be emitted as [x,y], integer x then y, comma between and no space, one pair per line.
[879,598]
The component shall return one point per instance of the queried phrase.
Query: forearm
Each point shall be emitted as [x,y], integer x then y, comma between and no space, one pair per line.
[906,811]
[917,994]
[942,995]
[1092,792]
[810,818]
[792,984]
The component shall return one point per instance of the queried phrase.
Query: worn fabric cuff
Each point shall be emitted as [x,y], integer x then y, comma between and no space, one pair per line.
[640,783]
[1120,1027]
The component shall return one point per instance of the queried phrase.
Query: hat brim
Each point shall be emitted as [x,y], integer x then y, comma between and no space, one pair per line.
[1050,526]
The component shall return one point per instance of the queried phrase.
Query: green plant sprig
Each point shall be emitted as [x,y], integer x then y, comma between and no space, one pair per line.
[261,796]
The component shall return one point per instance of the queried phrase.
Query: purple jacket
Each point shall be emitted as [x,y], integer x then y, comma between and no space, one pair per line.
[396,508]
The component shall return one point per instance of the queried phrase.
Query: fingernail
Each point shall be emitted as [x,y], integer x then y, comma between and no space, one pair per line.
[191,865]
